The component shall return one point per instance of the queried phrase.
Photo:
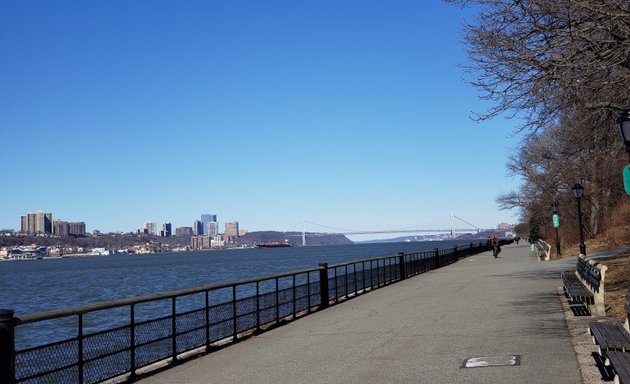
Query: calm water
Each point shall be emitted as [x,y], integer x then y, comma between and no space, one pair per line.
[38,285]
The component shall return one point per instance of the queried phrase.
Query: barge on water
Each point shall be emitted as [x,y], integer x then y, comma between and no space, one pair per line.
[274,244]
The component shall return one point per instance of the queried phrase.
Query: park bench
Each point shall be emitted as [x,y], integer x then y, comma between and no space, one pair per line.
[586,285]
[613,341]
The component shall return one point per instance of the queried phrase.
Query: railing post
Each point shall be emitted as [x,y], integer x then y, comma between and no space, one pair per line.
[257,306]
[308,290]
[323,285]
[294,301]
[277,300]
[7,346]
[401,261]
[132,342]
[234,312]
[174,327]
[437,258]
[80,361]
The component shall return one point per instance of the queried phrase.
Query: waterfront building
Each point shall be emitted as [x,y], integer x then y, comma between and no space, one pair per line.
[231,228]
[37,223]
[183,231]
[213,228]
[231,231]
[216,241]
[151,227]
[200,242]
[76,228]
[205,219]
[63,228]
[197,228]
[60,228]
[28,252]
[167,229]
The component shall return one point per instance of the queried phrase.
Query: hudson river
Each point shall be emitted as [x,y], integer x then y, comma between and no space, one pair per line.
[39,285]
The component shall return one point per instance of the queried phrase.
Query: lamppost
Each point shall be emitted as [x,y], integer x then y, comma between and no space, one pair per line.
[578,191]
[623,123]
[556,223]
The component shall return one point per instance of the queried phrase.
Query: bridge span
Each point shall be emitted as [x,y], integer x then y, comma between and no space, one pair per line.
[427,228]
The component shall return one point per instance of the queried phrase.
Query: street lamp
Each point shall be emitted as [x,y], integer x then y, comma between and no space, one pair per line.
[578,191]
[623,123]
[556,223]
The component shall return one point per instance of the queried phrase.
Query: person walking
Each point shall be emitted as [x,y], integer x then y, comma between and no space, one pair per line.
[494,241]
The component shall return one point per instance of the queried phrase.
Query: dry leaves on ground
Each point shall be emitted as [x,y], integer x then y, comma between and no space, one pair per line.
[617,282]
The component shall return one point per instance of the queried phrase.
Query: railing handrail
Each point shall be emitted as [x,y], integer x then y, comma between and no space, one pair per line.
[343,264]
[57,313]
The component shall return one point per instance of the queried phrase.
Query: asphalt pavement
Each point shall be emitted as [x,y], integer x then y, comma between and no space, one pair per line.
[480,320]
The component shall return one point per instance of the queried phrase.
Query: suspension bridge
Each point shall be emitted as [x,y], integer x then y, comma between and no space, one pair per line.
[453,225]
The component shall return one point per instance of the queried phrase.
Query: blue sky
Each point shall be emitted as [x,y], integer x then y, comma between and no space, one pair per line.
[350,114]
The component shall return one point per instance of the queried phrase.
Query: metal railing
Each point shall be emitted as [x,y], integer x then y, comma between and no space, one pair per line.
[125,339]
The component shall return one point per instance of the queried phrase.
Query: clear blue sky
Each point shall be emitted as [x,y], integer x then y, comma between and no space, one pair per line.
[350,114]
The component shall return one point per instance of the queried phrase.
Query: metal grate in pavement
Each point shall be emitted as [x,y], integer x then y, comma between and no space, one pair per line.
[491,361]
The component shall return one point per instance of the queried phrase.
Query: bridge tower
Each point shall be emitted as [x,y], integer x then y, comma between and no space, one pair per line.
[303,233]
[452,222]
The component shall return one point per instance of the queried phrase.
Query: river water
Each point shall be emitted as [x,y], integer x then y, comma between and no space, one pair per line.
[39,285]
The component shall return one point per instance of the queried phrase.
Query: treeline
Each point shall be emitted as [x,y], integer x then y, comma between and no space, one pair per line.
[562,67]
[294,238]
[109,241]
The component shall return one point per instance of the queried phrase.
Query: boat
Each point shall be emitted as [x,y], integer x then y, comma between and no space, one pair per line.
[274,244]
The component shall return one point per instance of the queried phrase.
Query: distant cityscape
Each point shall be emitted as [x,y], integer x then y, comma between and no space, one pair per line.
[203,234]
[62,238]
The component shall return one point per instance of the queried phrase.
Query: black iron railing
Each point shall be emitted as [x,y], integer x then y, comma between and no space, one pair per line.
[126,338]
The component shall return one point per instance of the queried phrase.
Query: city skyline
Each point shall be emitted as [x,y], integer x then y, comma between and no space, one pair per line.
[168,229]
[332,113]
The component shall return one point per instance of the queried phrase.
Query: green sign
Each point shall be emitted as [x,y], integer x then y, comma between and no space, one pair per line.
[626,178]
[556,220]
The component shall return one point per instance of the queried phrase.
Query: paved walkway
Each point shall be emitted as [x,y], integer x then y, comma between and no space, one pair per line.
[418,331]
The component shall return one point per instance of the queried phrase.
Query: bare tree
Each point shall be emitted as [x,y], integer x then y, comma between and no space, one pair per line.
[536,58]
[563,67]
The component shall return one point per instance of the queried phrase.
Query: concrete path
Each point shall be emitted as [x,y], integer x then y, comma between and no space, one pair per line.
[418,331]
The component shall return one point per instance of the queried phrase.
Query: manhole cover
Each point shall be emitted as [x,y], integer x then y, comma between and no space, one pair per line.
[491,361]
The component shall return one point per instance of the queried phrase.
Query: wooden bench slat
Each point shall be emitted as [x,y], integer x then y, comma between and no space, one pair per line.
[610,336]
[575,289]
[620,364]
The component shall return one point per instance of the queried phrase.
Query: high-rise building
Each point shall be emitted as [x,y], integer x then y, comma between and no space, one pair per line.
[213,228]
[151,227]
[76,228]
[60,228]
[183,231]
[167,229]
[205,219]
[197,228]
[63,228]
[37,223]
[231,229]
